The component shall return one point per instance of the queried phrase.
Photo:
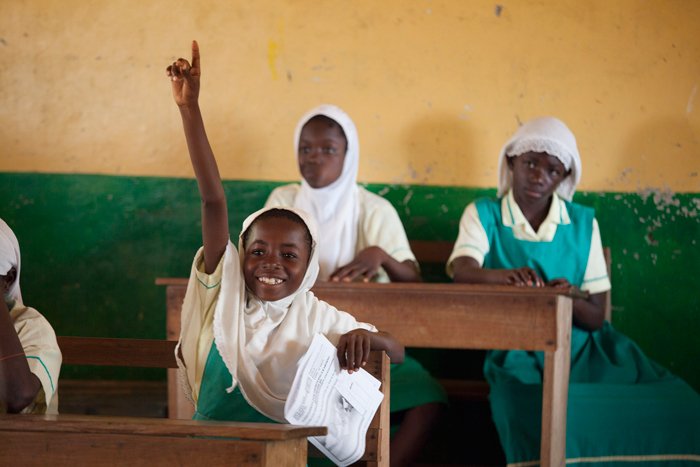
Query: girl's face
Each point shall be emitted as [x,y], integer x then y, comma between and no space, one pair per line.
[536,175]
[276,258]
[321,153]
[7,280]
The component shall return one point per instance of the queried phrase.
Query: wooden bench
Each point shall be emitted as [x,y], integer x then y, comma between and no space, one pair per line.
[70,440]
[265,444]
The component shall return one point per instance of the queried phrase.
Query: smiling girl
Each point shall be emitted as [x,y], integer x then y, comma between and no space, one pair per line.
[622,407]
[248,316]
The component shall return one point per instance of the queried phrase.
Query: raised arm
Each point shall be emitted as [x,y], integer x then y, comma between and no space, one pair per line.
[185,80]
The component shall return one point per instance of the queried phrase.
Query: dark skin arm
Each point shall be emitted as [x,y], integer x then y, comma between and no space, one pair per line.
[18,385]
[185,80]
[467,271]
[367,264]
[354,347]
[587,314]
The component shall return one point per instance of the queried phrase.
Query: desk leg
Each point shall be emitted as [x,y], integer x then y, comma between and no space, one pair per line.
[178,405]
[290,453]
[557,364]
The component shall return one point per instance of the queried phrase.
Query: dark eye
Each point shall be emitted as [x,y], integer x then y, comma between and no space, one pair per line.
[530,164]
[290,255]
[305,149]
[256,252]
[329,150]
[554,172]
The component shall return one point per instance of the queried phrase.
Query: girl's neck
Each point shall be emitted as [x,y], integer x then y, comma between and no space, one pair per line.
[534,211]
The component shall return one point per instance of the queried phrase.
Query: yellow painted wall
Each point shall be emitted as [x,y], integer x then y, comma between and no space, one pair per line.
[435,87]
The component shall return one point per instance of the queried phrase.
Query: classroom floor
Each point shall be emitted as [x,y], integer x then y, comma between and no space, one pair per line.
[465,436]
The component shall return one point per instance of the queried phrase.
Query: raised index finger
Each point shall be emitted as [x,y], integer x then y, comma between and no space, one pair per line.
[195,55]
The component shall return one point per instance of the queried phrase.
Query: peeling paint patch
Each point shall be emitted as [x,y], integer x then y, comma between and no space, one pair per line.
[689,107]
[649,237]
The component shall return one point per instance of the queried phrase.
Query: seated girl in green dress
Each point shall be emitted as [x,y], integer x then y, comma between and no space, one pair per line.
[248,316]
[622,406]
[30,360]
[362,238]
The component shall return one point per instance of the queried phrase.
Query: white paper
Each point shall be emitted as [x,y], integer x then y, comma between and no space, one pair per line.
[323,395]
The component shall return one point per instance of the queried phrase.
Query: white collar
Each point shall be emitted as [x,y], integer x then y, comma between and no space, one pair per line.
[512,215]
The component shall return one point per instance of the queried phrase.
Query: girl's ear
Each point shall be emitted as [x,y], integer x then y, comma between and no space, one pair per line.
[8,280]
[510,160]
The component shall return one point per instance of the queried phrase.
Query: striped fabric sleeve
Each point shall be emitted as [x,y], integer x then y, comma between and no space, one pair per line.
[471,241]
[595,279]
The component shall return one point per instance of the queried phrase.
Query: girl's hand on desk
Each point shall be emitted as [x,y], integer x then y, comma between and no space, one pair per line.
[521,277]
[353,349]
[366,263]
[185,78]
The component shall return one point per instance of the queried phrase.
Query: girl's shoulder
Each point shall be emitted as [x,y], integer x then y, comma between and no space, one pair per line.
[30,325]
[370,202]
[579,212]
[283,195]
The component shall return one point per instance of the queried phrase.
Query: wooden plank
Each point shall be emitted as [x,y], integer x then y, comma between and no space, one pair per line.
[117,352]
[452,317]
[556,390]
[70,450]
[288,453]
[178,405]
[90,424]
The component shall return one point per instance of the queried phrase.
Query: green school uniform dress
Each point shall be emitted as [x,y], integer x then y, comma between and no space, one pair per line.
[623,408]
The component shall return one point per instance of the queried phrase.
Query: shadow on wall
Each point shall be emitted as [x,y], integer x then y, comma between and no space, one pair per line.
[440,142]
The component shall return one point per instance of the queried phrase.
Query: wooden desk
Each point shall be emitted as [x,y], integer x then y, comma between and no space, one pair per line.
[82,440]
[457,316]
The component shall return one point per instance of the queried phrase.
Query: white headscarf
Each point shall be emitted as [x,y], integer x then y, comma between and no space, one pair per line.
[336,208]
[9,258]
[544,134]
[261,343]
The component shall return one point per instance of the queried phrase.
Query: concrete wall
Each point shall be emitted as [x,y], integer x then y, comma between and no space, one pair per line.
[97,184]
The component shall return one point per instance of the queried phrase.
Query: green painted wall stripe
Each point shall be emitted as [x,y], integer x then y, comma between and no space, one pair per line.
[93,245]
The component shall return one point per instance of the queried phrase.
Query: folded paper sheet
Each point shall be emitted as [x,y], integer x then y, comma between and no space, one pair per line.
[323,395]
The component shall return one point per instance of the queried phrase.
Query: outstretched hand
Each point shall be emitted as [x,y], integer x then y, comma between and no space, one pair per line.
[185,78]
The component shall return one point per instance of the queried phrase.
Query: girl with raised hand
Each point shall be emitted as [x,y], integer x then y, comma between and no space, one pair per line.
[622,407]
[248,316]
[30,360]
[362,238]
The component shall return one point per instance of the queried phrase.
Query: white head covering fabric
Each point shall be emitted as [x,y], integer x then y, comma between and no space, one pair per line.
[544,134]
[9,258]
[336,208]
[261,342]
